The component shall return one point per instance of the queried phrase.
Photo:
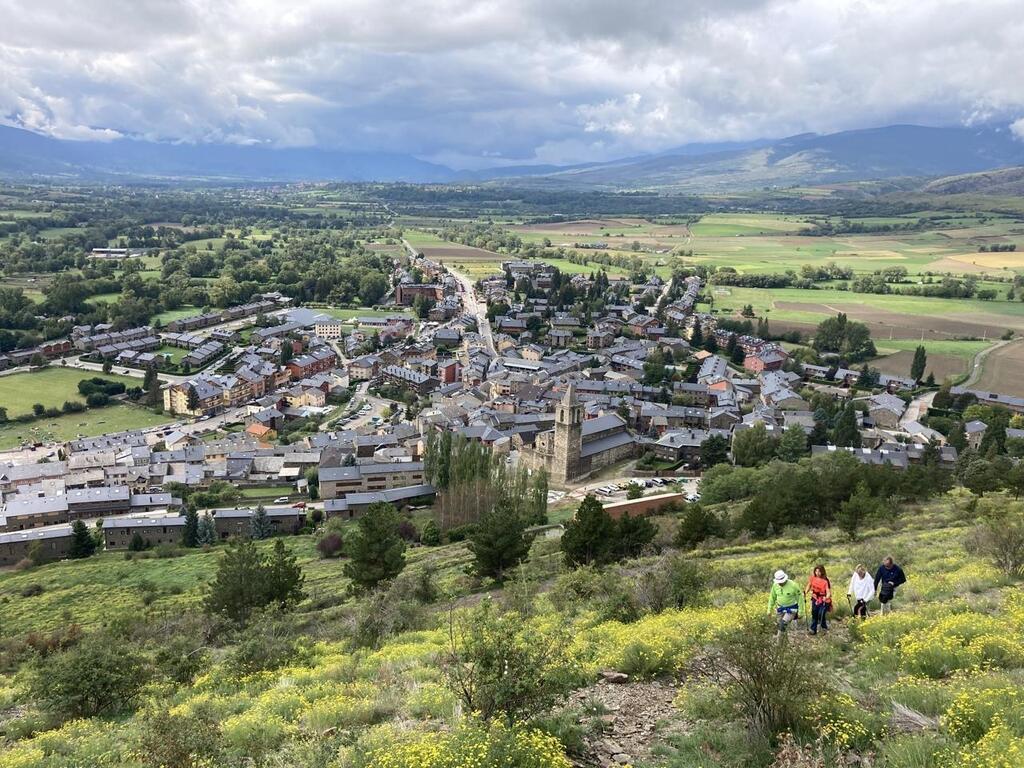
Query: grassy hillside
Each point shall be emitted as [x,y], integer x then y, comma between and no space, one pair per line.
[344,682]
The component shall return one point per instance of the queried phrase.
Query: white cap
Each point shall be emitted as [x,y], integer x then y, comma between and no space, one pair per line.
[781,577]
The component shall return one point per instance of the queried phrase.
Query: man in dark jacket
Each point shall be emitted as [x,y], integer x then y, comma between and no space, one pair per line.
[887,578]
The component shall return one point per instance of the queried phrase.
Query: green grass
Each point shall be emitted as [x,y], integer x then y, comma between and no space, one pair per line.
[51,387]
[175,353]
[349,314]
[176,314]
[267,492]
[99,421]
[104,298]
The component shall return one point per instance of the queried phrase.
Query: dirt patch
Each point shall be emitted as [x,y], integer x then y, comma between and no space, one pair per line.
[639,716]
[896,325]
[1003,370]
[898,364]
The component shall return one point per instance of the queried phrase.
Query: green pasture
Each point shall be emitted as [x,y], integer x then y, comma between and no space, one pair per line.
[100,421]
[50,386]
[348,314]
[765,299]
[176,314]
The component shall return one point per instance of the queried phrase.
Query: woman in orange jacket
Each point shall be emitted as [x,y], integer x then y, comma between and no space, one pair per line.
[819,592]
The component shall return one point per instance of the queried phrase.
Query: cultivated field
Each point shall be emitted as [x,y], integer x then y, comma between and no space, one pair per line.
[1003,370]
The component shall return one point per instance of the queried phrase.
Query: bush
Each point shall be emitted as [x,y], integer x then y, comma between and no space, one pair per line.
[674,582]
[266,644]
[482,745]
[181,659]
[180,738]
[330,545]
[500,668]
[1000,536]
[31,590]
[771,684]
[99,676]
[431,534]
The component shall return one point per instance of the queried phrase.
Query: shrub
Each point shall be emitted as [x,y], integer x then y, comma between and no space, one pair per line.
[431,534]
[330,545]
[31,590]
[98,676]
[1000,536]
[267,643]
[181,659]
[771,684]
[180,738]
[499,667]
[482,745]
[674,582]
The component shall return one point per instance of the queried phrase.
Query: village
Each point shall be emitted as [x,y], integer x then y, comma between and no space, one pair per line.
[339,412]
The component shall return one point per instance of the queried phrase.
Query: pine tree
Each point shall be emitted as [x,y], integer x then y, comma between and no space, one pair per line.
[846,433]
[714,450]
[82,543]
[697,337]
[859,507]
[238,588]
[499,541]
[376,551]
[259,524]
[589,536]
[284,577]
[190,536]
[206,531]
[193,399]
[633,533]
[958,437]
[919,364]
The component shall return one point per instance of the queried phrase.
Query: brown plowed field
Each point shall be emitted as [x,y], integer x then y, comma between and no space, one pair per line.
[903,326]
[898,364]
[1003,370]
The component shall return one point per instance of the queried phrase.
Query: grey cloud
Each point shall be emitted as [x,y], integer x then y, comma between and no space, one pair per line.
[486,82]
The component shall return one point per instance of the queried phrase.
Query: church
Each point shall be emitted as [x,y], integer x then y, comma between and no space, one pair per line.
[576,447]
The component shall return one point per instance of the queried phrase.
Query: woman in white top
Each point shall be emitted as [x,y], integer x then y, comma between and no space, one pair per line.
[861,589]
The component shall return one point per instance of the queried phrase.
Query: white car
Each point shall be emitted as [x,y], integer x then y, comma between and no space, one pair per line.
[281,500]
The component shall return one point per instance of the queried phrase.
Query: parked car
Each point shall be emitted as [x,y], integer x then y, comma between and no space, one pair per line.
[281,500]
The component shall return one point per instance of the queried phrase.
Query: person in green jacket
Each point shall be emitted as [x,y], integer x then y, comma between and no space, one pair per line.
[786,600]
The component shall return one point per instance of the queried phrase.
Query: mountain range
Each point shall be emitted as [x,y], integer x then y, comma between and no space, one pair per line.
[807,159]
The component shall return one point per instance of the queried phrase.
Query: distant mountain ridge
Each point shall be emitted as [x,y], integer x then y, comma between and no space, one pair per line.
[24,153]
[810,159]
[807,159]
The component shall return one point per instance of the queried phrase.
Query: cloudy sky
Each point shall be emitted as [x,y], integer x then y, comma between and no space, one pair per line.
[478,83]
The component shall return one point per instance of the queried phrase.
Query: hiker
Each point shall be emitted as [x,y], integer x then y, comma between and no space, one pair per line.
[820,590]
[888,577]
[861,589]
[786,600]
